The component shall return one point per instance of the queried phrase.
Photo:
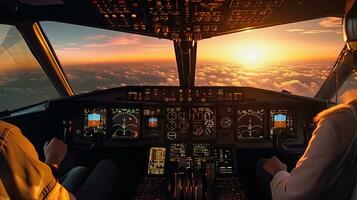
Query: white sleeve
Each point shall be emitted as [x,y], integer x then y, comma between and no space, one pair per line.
[278,182]
[308,177]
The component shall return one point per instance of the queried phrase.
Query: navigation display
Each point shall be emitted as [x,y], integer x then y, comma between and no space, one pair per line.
[156,163]
[125,123]
[94,121]
[250,124]
[279,120]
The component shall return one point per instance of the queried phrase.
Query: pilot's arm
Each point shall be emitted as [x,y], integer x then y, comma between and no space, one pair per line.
[22,174]
[311,173]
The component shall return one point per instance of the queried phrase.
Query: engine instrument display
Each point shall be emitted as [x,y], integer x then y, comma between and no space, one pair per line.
[203,122]
[94,121]
[156,163]
[201,155]
[200,150]
[177,151]
[250,124]
[125,123]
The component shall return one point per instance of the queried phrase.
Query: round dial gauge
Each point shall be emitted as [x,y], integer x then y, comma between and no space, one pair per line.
[172,115]
[208,131]
[171,135]
[182,115]
[209,123]
[183,125]
[198,130]
[209,115]
[250,124]
[226,122]
[171,125]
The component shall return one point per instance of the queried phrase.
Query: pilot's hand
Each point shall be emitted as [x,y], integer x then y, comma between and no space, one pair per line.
[274,165]
[55,151]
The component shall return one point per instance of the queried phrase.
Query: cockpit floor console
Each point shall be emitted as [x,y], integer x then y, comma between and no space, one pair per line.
[229,189]
[197,171]
[185,188]
[151,188]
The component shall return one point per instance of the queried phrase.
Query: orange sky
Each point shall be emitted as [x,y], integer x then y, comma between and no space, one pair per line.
[313,40]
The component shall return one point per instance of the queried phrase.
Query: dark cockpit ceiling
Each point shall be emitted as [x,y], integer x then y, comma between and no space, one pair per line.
[173,19]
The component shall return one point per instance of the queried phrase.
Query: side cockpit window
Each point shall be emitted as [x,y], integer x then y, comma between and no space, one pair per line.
[349,84]
[22,80]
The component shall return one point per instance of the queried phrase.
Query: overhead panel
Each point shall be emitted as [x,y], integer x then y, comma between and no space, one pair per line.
[184,19]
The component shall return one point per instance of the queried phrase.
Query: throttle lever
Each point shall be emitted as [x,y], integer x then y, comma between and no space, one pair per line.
[278,140]
[67,131]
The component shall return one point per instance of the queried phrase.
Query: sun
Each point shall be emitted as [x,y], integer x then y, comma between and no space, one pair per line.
[250,57]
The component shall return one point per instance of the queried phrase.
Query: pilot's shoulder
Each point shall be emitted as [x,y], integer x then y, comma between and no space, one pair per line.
[343,116]
[7,126]
[340,119]
[338,112]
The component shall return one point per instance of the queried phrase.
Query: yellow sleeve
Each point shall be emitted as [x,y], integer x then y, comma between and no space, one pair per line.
[22,174]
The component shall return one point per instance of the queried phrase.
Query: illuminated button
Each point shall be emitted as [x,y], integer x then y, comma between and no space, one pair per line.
[146,112]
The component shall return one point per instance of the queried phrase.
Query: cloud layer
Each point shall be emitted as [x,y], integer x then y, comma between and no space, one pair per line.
[27,87]
[325,25]
[301,78]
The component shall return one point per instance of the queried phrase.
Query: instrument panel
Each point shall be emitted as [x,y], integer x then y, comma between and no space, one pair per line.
[169,115]
[186,141]
[182,123]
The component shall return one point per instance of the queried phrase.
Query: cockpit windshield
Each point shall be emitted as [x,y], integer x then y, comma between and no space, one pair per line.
[96,59]
[295,57]
[22,81]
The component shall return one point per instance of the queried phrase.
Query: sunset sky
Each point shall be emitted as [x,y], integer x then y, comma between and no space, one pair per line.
[319,39]
[295,57]
[313,40]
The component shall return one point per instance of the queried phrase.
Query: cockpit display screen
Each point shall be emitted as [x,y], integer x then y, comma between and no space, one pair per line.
[125,123]
[156,163]
[250,124]
[94,121]
[153,122]
[200,150]
[280,121]
[177,151]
